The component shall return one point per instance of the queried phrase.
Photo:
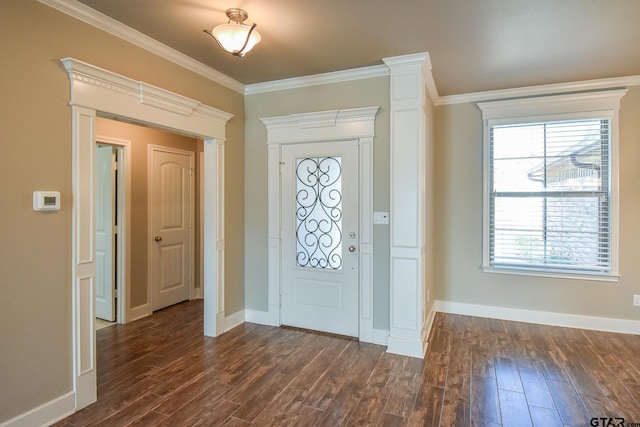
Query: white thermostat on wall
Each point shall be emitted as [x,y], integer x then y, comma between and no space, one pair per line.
[46,200]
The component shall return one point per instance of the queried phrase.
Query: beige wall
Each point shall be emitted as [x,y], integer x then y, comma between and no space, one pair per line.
[459,278]
[355,94]
[35,130]
[141,137]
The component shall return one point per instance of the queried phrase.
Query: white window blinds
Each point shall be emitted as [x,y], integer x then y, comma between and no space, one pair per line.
[549,195]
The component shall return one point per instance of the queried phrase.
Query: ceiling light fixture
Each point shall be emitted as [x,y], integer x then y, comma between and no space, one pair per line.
[236,38]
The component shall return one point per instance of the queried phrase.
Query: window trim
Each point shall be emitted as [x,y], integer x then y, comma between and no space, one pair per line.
[600,104]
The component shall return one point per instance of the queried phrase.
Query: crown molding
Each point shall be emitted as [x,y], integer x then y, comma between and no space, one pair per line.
[352,74]
[318,79]
[421,58]
[529,91]
[118,29]
[600,100]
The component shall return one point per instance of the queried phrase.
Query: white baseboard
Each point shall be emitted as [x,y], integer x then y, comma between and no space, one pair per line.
[380,337]
[261,317]
[234,320]
[197,293]
[139,312]
[407,347]
[412,348]
[46,414]
[541,317]
[429,324]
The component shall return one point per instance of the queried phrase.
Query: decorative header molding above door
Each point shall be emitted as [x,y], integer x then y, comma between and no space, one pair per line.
[321,126]
[104,91]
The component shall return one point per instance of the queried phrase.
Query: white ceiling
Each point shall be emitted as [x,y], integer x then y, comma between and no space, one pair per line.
[474,45]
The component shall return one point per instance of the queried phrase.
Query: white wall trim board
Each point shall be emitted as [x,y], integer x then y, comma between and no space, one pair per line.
[380,337]
[431,316]
[118,29]
[529,91]
[234,320]
[406,347]
[197,293]
[541,317]
[318,79]
[139,312]
[268,318]
[45,414]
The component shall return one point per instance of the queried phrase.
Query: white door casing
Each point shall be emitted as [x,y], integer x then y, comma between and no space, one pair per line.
[105,237]
[325,126]
[171,207]
[95,90]
[319,236]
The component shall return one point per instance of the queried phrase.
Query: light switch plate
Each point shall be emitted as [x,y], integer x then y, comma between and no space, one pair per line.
[381,217]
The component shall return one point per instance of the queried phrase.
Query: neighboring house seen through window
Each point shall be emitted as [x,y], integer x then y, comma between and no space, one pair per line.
[550,188]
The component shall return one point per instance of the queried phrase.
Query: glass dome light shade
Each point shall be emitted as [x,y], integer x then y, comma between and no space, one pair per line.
[233,36]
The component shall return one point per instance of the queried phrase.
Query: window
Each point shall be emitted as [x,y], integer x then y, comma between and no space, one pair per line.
[550,199]
[319,212]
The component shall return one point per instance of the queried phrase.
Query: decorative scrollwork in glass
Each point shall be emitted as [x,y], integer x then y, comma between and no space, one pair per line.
[319,212]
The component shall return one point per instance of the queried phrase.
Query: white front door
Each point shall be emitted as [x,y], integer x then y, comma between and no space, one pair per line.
[171,225]
[320,236]
[105,233]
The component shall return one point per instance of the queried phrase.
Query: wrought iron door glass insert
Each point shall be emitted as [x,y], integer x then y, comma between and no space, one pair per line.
[319,212]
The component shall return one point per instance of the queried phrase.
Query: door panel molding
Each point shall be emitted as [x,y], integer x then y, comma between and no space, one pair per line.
[324,126]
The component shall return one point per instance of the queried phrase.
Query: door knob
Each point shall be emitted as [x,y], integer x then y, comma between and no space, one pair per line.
[352,248]
[157,238]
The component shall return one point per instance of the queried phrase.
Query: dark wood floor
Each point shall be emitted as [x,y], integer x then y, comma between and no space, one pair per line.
[477,372]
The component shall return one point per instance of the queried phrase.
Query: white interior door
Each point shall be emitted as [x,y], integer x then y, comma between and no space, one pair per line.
[105,233]
[171,225]
[320,236]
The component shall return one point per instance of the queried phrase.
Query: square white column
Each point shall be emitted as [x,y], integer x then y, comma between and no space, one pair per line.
[408,154]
